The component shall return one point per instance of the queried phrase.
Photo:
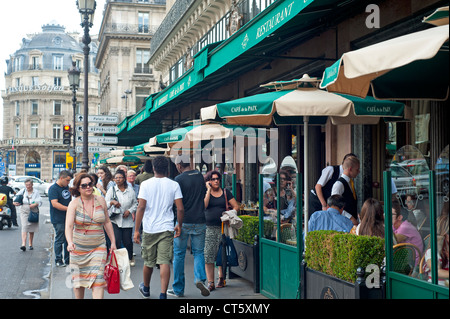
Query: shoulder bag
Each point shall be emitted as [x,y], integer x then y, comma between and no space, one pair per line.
[33,216]
[19,197]
[113,210]
[226,255]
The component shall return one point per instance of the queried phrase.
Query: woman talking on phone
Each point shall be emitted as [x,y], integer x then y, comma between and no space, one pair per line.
[215,204]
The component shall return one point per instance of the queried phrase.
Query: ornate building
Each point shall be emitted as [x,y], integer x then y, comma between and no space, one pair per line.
[126,79]
[38,101]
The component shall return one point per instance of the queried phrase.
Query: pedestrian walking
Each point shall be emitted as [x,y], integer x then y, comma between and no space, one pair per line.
[105,180]
[87,216]
[193,188]
[157,196]
[122,196]
[147,172]
[31,201]
[59,197]
[215,205]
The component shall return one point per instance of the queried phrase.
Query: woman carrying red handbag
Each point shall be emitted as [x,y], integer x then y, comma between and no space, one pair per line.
[86,218]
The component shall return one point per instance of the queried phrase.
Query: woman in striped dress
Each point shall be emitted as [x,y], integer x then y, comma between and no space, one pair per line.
[85,220]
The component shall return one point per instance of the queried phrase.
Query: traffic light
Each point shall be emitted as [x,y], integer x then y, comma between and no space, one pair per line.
[67,134]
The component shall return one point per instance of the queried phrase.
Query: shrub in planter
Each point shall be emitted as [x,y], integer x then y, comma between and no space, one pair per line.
[340,254]
[250,228]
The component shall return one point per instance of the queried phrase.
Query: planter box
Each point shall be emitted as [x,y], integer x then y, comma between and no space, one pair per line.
[317,285]
[248,268]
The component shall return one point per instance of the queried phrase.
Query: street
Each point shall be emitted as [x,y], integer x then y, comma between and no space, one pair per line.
[33,274]
[25,275]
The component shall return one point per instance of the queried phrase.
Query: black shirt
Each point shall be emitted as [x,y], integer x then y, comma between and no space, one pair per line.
[4,189]
[215,209]
[193,188]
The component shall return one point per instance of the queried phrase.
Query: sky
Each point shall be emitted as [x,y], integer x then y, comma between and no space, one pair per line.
[21,17]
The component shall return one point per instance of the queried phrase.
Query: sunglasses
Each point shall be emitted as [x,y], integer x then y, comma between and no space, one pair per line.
[84,186]
[215,179]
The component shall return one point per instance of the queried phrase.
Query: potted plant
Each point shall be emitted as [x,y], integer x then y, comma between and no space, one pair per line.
[247,248]
[342,266]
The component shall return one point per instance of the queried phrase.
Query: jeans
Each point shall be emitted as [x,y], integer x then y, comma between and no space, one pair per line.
[60,243]
[197,233]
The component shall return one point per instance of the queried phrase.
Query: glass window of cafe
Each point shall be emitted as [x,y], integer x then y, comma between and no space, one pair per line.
[408,151]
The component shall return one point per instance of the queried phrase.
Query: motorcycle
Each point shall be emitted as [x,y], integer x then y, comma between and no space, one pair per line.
[5,212]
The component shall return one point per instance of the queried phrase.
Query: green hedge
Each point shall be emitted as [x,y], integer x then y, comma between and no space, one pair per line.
[250,228]
[340,254]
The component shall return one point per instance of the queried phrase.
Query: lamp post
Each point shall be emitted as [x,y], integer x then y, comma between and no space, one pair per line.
[87,10]
[74,82]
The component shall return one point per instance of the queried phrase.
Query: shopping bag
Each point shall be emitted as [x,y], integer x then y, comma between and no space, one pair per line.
[124,268]
[112,275]
[227,255]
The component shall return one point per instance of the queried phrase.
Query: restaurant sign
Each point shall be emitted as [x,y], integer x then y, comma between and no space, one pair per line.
[35,88]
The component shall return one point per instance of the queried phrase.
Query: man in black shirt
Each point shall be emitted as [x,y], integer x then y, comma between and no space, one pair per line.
[193,188]
[5,189]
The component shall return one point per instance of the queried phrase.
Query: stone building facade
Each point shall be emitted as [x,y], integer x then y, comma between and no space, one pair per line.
[38,101]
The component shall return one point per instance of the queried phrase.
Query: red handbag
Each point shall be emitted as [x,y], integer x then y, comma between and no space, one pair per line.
[112,275]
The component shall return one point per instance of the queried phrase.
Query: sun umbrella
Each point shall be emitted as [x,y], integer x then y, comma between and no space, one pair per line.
[304,106]
[127,159]
[414,66]
[438,17]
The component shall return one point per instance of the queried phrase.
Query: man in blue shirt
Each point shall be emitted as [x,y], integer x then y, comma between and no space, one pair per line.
[332,218]
[59,197]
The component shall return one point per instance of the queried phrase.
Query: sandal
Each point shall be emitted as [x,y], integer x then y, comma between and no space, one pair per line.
[211,286]
[221,283]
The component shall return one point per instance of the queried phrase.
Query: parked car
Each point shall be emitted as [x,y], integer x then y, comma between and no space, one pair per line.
[442,172]
[403,180]
[18,183]
[420,171]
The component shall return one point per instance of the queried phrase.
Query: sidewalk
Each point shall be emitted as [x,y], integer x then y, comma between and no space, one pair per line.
[236,288]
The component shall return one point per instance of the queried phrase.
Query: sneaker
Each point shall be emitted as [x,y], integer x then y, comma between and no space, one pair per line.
[60,264]
[132,262]
[203,289]
[162,296]
[172,293]
[144,292]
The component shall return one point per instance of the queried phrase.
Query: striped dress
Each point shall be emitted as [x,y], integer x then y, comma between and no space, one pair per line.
[88,259]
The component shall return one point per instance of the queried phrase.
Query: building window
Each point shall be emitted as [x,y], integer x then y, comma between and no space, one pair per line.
[57,108]
[35,63]
[58,62]
[17,130]
[57,81]
[34,131]
[34,80]
[143,20]
[17,82]
[142,57]
[34,107]
[56,131]
[17,112]
[141,95]
[78,109]
[18,63]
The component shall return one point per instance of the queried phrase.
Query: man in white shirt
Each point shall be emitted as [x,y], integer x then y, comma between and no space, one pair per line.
[156,198]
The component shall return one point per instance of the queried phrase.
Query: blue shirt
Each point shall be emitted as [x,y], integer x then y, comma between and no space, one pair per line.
[329,219]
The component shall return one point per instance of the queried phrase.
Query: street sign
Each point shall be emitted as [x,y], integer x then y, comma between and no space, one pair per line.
[96,149]
[100,139]
[99,129]
[105,119]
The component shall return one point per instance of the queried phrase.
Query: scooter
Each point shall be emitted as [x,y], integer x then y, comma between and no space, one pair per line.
[5,212]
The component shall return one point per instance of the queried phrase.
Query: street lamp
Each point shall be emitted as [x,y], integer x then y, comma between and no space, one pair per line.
[74,82]
[86,9]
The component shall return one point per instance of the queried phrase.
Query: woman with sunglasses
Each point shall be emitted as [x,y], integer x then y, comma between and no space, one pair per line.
[215,205]
[123,197]
[87,216]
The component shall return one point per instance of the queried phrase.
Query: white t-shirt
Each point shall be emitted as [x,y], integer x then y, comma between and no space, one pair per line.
[160,194]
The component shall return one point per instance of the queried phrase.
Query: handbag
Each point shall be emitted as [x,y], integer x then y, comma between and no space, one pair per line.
[19,198]
[123,263]
[113,210]
[227,252]
[33,216]
[112,275]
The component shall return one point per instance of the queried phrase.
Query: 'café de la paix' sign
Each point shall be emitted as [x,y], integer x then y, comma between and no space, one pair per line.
[35,88]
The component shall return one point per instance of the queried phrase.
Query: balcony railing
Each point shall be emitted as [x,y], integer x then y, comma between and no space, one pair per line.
[141,69]
[159,2]
[126,28]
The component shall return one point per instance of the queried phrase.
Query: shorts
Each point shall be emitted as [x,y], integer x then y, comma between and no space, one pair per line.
[157,249]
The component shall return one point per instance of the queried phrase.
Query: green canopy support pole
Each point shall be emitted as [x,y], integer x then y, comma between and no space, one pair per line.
[388,233]
[433,228]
